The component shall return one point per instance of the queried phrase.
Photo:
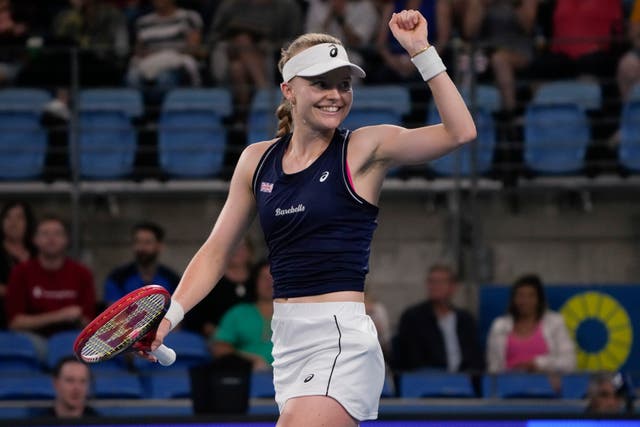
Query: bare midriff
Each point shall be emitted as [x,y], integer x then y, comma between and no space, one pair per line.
[342,296]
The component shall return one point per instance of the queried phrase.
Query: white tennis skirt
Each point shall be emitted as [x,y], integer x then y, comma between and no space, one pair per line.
[328,349]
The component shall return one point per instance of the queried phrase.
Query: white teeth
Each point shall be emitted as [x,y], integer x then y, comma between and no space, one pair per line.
[331,109]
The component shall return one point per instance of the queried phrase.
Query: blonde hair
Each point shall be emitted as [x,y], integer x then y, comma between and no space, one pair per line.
[305,41]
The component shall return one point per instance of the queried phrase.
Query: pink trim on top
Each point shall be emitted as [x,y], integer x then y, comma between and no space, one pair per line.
[349,174]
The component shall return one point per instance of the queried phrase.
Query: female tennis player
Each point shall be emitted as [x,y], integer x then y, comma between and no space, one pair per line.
[315,189]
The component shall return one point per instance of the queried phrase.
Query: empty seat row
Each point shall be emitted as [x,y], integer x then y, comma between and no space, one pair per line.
[192,137]
[428,383]
[18,353]
[159,384]
[176,383]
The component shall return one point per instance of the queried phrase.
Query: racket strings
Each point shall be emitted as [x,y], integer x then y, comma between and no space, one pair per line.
[120,331]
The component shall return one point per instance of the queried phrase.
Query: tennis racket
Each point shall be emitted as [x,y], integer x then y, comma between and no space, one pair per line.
[128,324]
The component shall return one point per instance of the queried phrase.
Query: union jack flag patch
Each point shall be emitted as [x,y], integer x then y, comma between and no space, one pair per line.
[266,187]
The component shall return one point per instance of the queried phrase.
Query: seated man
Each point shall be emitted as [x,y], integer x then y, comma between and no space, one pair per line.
[609,393]
[148,243]
[435,333]
[72,384]
[50,292]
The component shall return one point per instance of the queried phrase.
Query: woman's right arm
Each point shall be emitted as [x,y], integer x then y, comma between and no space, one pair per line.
[207,266]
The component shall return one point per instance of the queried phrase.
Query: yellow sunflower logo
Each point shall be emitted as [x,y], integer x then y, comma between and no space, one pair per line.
[601,329]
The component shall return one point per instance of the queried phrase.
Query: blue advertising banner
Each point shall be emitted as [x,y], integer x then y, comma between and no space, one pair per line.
[601,318]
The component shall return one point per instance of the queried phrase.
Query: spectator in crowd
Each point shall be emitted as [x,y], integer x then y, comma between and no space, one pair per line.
[435,333]
[230,290]
[50,292]
[146,269]
[628,72]
[17,226]
[530,337]
[167,48]
[609,393]
[72,384]
[98,29]
[245,329]
[355,22]
[99,33]
[505,29]
[246,36]
[13,37]
[583,35]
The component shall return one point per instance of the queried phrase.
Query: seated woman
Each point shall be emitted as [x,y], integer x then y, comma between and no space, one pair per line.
[530,337]
[245,329]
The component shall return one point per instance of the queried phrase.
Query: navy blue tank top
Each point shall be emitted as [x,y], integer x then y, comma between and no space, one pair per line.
[317,229]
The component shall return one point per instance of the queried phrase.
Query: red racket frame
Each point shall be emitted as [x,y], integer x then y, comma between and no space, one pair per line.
[115,309]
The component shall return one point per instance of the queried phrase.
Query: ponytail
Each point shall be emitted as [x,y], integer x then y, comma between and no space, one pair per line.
[285,120]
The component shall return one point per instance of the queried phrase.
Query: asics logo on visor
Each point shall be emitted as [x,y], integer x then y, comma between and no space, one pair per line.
[313,61]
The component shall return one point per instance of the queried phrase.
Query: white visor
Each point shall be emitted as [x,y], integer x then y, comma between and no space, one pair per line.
[317,60]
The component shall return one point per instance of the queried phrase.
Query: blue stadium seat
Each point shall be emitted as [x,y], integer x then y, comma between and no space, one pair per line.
[15,412]
[262,122]
[261,384]
[557,129]
[107,138]
[191,135]
[429,383]
[556,138]
[120,411]
[25,386]
[518,385]
[388,388]
[375,105]
[486,101]
[173,384]
[60,345]
[460,161]
[586,95]
[191,350]
[23,140]
[629,147]
[107,385]
[575,386]
[17,353]
[486,97]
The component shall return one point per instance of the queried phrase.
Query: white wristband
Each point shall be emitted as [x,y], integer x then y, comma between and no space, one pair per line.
[175,314]
[429,63]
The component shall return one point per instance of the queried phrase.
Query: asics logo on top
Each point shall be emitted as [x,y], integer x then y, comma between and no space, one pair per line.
[308,378]
[334,51]
[324,176]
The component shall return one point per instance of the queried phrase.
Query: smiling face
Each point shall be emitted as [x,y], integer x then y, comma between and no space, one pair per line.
[321,102]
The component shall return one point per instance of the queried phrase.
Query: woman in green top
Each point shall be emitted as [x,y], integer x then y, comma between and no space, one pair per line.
[245,329]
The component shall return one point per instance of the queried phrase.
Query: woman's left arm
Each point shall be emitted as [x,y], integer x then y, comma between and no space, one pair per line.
[398,145]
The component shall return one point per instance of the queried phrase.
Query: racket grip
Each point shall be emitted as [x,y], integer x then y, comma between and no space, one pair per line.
[165,355]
